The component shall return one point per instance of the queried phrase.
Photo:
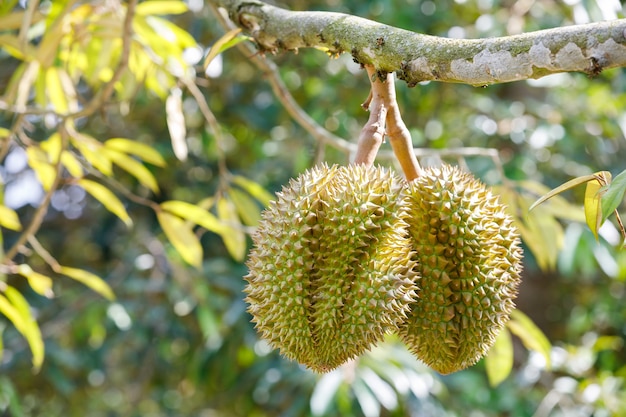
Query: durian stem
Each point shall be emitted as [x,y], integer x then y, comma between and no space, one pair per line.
[373,132]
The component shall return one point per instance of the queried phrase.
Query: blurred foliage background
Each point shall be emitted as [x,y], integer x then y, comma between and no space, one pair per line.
[176,340]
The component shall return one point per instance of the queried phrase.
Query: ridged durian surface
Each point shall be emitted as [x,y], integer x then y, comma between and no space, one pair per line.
[332,268]
[470,264]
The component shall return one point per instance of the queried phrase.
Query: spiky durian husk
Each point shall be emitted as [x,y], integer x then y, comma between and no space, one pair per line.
[470,264]
[332,268]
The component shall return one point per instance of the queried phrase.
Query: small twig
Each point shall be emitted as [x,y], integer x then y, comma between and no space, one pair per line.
[43,253]
[373,132]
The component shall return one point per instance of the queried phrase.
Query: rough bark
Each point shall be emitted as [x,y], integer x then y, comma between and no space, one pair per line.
[416,57]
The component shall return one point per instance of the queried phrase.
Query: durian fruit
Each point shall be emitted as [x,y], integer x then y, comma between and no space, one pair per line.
[332,269]
[469,263]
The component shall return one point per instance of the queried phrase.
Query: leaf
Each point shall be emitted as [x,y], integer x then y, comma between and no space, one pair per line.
[542,233]
[176,123]
[563,187]
[221,45]
[195,214]
[614,195]
[53,146]
[15,307]
[69,161]
[90,280]
[107,199]
[91,149]
[531,336]
[234,238]
[161,7]
[38,161]
[134,168]
[141,150]
[557,206]
[56,93]
[499,361]
[9,219]
[181,236]
[324,392]
[254,189]
[370,406]
[593,209]
[41,284]
[246,207]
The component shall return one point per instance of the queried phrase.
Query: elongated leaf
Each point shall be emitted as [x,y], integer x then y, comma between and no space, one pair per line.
[563,187]
[69,161]
[52,146]
[219,45]
[141,150]
[531,336]
[56,93]
[370,406]
[134,168]
[176,123]
[107,199]
[557,206]
[499,361]
[234,238]
[9,219]
[41,284]
[91,149]
[614,195]
[324,392]
[195,214]
[161,7]
[247,208]
[254,189]
[15,307]
[90,280]
[181,236]
[593,209]
[38,161]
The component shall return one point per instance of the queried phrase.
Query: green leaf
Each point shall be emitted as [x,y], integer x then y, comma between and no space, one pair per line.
[107,199]
[228,40]
[181,236]
[499,361]
[247,208]
[133,167]
[614,195]
[161,7]
[530,335]
[254,189]
[141,150]
[195,214]
[41,284]
[234,238]
[90,280]
[563,187]
[9,219]
[15,307]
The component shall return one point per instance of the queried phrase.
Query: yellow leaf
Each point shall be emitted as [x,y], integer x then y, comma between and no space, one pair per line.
[195,214]
[161,7]
[91,149]
[38,161]
[133,167]
[499,361]
[248,209]
[9,219]
[90,280]
[593,201]
[15,307]
[41,284]
[55,91]
[531,336]
[217,46]
[72,165]
[181,236]
[176,123]
[4,132]
[107,198]
[234,239]
[254,189]
[141,150]
[25,83]
[52,146]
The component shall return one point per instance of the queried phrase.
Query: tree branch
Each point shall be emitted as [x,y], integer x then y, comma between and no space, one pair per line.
[416,57]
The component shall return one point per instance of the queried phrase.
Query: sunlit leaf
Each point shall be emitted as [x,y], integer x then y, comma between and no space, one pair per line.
[195,214]
[499,360]
[176,123]
[161,7]
[220,45]
[4,132]
[563,187]
[9,219]
[56,94]
[90,280]
[40,283]
[15,307]
[370,406]
[69,161]
[542,233]
[107,199]
[380,388]
[234,238]
[593,210]
[144,152]
[25,83]
[531,336]
[91,149]
[52,146]
[556,206]
[614,195]
[254,189]
[247,208]
[133,167]
[181,236]
[324,392]
[38,161]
